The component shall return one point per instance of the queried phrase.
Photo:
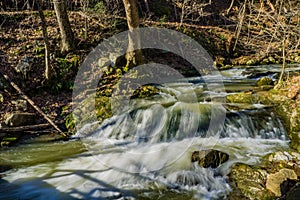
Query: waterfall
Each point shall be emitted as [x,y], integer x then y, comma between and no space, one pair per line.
[145,151]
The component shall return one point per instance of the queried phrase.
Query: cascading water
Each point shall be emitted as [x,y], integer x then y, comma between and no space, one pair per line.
[145,151]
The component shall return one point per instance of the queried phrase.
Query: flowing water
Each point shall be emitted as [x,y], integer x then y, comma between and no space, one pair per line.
[144,150]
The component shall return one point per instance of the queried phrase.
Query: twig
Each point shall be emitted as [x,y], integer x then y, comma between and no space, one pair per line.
[91,18]
[32,104]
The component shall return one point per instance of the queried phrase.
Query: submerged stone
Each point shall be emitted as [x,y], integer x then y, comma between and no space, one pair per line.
[209,158]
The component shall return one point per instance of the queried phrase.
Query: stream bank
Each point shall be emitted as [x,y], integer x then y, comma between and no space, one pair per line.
[278,176]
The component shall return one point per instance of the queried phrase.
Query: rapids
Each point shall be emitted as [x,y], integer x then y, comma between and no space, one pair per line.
[144,151]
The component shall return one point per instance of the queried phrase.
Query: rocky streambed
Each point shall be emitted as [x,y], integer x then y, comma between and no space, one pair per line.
[165,146]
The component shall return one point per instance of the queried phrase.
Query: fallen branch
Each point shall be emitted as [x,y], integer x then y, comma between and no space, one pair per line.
[33,104]
[24,128]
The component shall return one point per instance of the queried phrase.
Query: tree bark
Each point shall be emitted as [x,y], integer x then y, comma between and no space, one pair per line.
[48,69]
[66,32]
[134,54]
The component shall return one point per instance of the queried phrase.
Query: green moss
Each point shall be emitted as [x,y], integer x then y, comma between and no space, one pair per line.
[145,91]
[251,62]
[250,182]
[81,116]
[264,81]
[241,98]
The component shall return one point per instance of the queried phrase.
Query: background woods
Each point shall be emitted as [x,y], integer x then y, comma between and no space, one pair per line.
[43,42]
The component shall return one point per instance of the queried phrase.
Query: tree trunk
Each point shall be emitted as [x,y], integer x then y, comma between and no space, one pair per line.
[67,36]
[283,58]
[48,69]
[134,54]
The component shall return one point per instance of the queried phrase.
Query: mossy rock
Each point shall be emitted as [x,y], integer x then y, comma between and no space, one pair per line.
[209,158]
[82,116]
[264,81]
[226,67]
[145,91]
[252,62]
[250,182]
[242,97]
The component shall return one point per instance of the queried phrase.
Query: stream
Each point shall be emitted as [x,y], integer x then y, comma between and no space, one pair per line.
[144,151]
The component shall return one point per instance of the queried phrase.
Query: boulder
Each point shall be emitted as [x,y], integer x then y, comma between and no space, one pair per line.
[249,183]
[242,97]
[276,179]
[20,119]
[264,81]
[209,158]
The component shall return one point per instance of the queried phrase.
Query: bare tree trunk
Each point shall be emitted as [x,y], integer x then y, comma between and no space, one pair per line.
[182,12]
[134,54]
[283,58]
[85,6]
[147,6]
[66,32]
[239,27]
[48,69]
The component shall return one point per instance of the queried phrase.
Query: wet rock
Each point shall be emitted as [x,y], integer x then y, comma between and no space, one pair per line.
[287,107]
[20,119]
[226,67]
[276,179]
[249,183]
[294,193]
[251,62]
[280,156]
[287,185]
[242,97]
[219,62]
[4,168]
[264,81]
[271,60]
[101,106]
[209,158]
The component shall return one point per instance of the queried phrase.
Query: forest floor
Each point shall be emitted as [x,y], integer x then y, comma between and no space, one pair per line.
[21,42]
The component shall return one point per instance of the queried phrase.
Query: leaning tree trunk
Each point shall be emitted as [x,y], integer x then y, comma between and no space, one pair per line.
[134,54]
[48,69]
[67,36]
